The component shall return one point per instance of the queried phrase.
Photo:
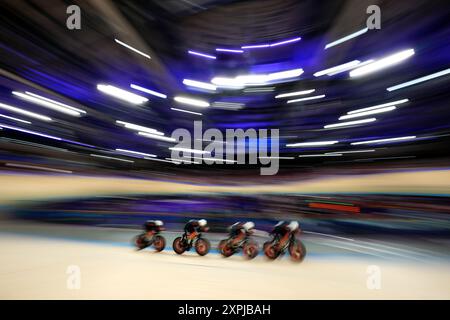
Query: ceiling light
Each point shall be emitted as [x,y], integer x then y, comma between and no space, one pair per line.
[349,123]
[192,102]
[307,98]
[382,63]
[122,94]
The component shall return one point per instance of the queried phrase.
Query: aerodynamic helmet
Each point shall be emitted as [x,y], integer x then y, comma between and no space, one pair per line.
[293,225]
[248,225]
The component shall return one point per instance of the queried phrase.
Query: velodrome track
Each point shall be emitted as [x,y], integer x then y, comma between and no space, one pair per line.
[36,257]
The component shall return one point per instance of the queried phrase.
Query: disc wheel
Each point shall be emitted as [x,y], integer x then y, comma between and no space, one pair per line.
[159,243]
[178,245]
[227,251]
[202,246]
[297,251]
[250,250]
[270,251]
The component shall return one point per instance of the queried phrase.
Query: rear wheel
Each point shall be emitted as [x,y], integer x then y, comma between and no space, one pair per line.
[159,243]
[250,250]
[178,245]
[202,246]
[297,251]
[141,242]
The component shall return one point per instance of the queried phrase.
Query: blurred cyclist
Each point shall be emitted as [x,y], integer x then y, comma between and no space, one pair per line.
[283,230]
[239,231]
[194,227]
[153,226]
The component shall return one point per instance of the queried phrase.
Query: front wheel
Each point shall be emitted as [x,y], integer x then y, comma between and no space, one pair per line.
[178,245]
[202,246]
[270,251]
[221,244]
[250,250]
[224,248]
[297,250]
[159,243]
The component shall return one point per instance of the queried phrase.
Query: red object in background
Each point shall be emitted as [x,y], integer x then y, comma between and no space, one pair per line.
[338,207]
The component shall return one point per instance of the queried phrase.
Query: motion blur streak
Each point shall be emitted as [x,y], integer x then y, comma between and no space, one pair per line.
[99,134]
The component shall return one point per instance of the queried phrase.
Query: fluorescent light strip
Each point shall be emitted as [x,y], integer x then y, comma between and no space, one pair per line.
[47,104]
[216,160]
[199,84]
[161,160]
[387,104]
[15,119]
[351,151]
[186,111]
[320,155]
[419,80]
[228,105]
[338,68]
[255,79]
[281,158]
[382,63]
[366,113]
[137,153]
[287,74]
[307,98]
[312,144]
[346,38]
[350,67]
[121,94]
[156,137]
[274,44]
[384,140]
[191,102]
[133,49]
[55,102]
[228,83]
[252,79]
[24,112]
[230,50]
[144,129]
[349,123]
[263,89]
[111,158]
[29,131]
[285,42]
[194,151]
[183,161]
[256,46]
[296,93]
[201,54]
[17,165]
[155,93]
[136,127]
